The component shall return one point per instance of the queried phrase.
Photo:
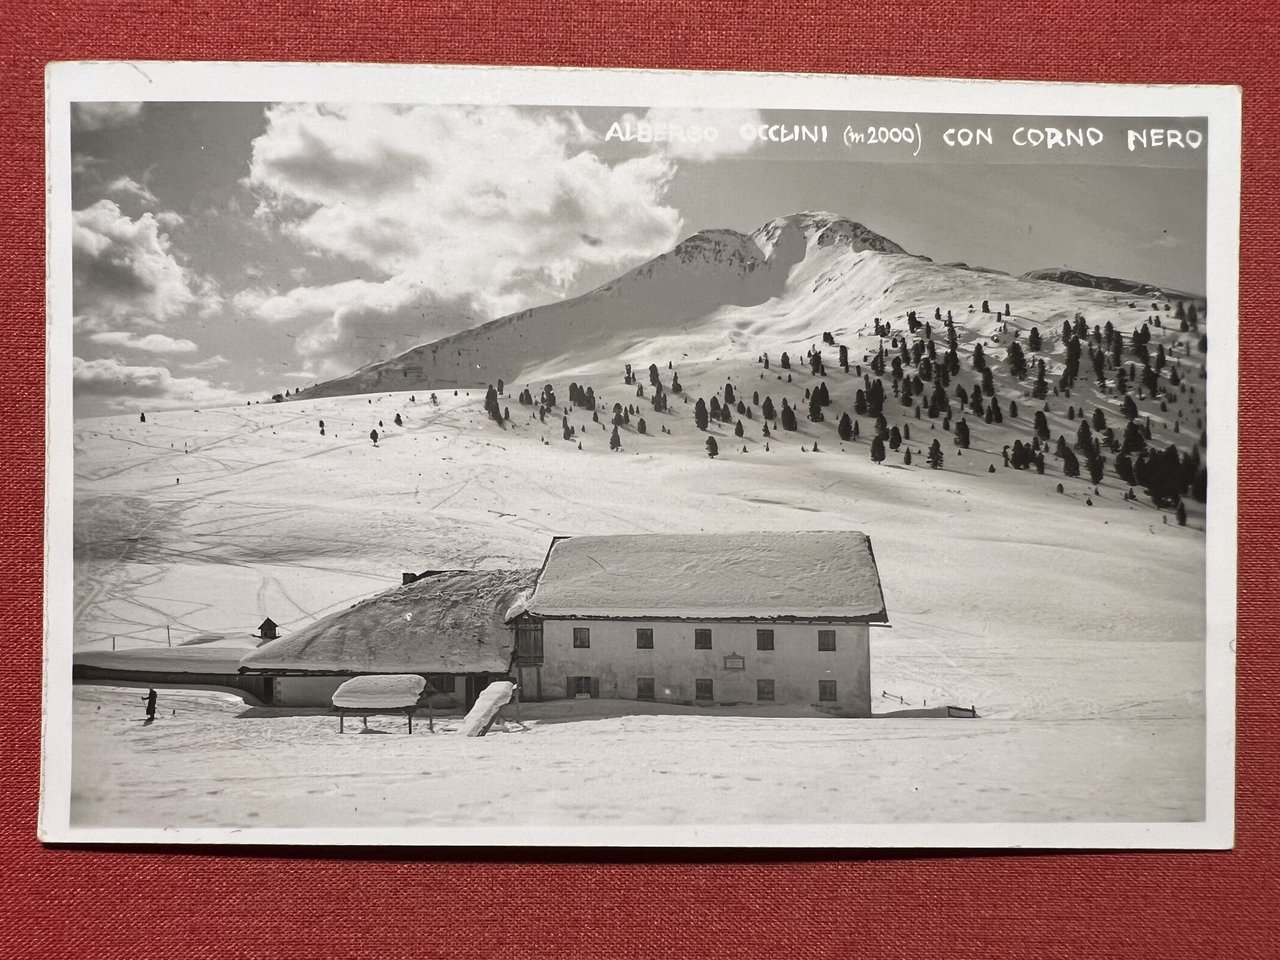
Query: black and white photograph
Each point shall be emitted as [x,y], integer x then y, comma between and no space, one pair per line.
[583,457]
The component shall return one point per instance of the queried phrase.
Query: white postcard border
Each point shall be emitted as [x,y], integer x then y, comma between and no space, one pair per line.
[265,82]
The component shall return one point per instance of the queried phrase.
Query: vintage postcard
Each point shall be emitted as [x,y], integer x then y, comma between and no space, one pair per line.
[445,455]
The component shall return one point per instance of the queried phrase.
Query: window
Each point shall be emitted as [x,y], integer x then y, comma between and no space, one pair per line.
[826,691]
[703,690]
[764,689]
[581,637]
[644,640]
[764,639]
[827,640]
[644,688]
[702,639]
[441,682]
[529,640]
[583,686]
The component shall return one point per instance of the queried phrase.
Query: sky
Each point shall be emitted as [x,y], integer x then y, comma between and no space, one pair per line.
[223,252]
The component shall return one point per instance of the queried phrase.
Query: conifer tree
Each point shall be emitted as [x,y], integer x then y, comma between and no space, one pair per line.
[713,450]
[1017,362]
[700,414]
[766,409]
[1041,425]
[1040,389]
[935,455]
[1084,437]
[815,408]
[491,404]
[788,417]
[877,450]
[845,427]
[1070,465]
[1020,456]
[738,431]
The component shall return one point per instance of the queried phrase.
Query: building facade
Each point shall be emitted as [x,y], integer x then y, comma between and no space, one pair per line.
[821,663]
[764,619]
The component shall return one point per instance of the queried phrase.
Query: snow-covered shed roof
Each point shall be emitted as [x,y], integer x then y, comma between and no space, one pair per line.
[449,621]
[204,658]
[382,692]
[732,576]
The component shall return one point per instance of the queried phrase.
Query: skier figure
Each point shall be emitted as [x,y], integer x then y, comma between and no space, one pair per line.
[151,703]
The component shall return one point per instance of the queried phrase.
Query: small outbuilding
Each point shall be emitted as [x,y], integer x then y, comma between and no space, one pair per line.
[268,629]
[448,626]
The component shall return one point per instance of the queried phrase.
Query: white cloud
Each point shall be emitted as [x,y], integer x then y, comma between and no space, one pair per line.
[124,186]
[452,212]
[208,363]
[114,385]
[349,324]
[151,343]
[99,116]
[125,271]
[696,133]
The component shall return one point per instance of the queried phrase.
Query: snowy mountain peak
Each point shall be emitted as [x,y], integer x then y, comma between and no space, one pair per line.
[822,229]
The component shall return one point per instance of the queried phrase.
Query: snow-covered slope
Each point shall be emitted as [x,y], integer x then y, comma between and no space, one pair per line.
[793,277]
[1134,288]
[1034,605]
[675,292]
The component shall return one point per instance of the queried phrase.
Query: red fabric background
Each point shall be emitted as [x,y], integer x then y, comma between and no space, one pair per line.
[108,903]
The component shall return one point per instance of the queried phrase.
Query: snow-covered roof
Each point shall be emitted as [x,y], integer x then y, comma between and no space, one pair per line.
[449,621]
[204,658]
[383,692]
[739,576]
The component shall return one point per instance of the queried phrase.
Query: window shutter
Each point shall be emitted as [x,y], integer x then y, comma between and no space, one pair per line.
[595,688]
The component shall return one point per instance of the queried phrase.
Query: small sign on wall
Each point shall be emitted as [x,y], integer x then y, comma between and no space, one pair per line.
[735,661]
